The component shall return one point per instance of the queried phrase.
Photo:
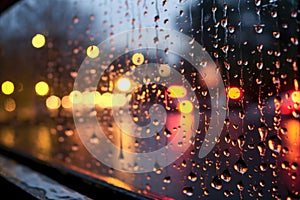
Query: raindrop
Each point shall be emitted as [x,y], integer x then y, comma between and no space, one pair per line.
[259,65]
[263,167]
[226,152]
[75,19]
[240,186]
[157,168]
[274,143]
[192,177]
[94,139]
[156,18]
[261,148]
[259,28]
[257,2]
[216,183]
[189,191]
[294,40]
[167,179]
[241,141]
[263,132]
[181,13]
[75,147]
[294,14]
[294,166]
[273,14]
[240,166]
[276,34]
[69,132]
[250,127]
[285,165]
[226,176]
[231,29]
[242,114]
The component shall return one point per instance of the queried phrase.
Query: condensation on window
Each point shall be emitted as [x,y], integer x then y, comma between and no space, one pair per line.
[52,53]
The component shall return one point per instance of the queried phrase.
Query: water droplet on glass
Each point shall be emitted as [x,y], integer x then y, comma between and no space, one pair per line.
[226,175]
[273,14]
[241,141]
[263,167]
[157,168]
[189,191]
[240,166]
[240,186]
[192,177]
[241,114]
[263,132]
[216,183]
[261,148]
[259,28]
[276,34]
[75,19]
[167,179]
[94,139]
[294,166]
[274,143]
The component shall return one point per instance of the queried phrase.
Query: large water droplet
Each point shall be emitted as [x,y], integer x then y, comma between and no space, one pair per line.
[275,144]
[240,166]
[226,176]
[216,183]
[192,177]
[261,148]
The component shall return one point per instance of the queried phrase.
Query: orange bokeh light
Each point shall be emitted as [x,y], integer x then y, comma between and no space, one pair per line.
[234,93]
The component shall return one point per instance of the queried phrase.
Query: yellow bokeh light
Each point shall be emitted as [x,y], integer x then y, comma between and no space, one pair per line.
[296,96]
[92,51]
[106,100]
[65,102]
[186,106]
[7,87]
[124,84]
[53,102]
[234,93]
[42,88]
[176,91]
[38,41]
[10,105]
[138,58]
[75,97]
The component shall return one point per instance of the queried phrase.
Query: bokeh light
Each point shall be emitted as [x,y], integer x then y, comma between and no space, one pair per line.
[38,41]
[42,88]
[92,51]
[124,84]
[75,96]
[186,107]
[177,91]
[138,58]
[65,102]
[10,105]
[53,102]
[234,93]
[7,87]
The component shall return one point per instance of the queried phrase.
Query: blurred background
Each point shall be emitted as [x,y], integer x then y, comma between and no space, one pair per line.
[254,45]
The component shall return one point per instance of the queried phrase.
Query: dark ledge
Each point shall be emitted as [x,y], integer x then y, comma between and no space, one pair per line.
[27,177]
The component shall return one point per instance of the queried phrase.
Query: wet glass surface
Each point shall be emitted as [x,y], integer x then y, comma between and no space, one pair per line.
[254,46]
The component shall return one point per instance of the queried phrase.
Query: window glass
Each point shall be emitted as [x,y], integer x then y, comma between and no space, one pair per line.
[170,99]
